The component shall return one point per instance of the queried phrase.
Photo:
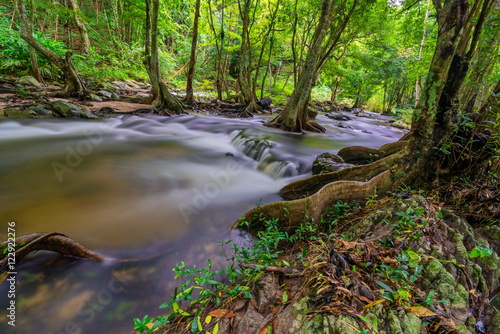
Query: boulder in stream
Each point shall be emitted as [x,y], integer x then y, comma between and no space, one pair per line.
[18,113]
[327,163]
[67,109]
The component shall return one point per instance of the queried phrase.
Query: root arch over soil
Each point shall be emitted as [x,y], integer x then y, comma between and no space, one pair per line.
[308,199]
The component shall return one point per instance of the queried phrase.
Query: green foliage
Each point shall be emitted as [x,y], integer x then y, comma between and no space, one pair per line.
[403,277]
[410,223]
[122,65]
[15,52]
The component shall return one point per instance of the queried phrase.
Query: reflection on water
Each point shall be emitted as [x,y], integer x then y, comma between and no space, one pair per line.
[134,186]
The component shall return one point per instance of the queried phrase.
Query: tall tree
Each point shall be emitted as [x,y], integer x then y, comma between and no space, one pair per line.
[163,100]
[82,28]
[295,115]
[192,59]
[247,14]
[460,27]
[74,85]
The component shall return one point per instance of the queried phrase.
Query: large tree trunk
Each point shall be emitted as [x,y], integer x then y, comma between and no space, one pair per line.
[163,101]
[75,85]
[192,59]
[431,130]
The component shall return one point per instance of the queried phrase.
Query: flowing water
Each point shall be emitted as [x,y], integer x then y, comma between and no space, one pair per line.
[131,187]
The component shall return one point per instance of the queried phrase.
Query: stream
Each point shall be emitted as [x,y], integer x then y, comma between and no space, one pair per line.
[130,187]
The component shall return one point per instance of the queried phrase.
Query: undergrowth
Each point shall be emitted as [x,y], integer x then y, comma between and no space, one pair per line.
[322,252]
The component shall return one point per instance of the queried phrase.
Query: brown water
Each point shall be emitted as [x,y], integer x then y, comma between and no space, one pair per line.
[134,186]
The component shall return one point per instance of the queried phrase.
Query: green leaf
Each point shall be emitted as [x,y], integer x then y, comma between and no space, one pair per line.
[480,251]
[284,300]
[216,328]
[385,286]
[194,325]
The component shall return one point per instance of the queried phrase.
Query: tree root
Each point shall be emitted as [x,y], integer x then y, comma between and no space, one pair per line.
[292,213]
[309,186]
[167,103]
[298,126]
[363,155]
[53,241]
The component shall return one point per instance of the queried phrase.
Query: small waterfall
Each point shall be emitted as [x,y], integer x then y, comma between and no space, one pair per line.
[260,150]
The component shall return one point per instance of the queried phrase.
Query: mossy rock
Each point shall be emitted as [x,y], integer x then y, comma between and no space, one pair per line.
[327,163]
[18,113]
[67,109]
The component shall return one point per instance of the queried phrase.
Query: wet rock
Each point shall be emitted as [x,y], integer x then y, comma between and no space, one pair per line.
[88,114]
[312,113]
[67,109]
[18,113]
[105,94]
[95,97]
[327,163]
[106,110]
[29,81]
[41,111]
[53,88]
[339,117]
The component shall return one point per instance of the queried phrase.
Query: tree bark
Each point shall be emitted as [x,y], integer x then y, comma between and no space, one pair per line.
[74,85]
[431,131]
[192,59]
[163,101]
[80,25]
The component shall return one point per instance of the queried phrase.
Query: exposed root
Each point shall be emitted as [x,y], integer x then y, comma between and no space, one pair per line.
[298,126]
[292,213]
[53,241]
[252,108]
[166,103]
[363,155]
[309,186]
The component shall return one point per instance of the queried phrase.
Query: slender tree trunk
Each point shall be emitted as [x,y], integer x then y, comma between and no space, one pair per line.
[80,25]
[418,83]
[218,47]
[163,100]
[266,35]
[245,60]
[35,69]
[295,115]
[192,59]
[74,85]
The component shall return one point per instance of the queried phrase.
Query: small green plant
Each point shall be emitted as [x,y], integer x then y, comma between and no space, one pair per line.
[403,277]
[373,325]
[480,252]
[410,223]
